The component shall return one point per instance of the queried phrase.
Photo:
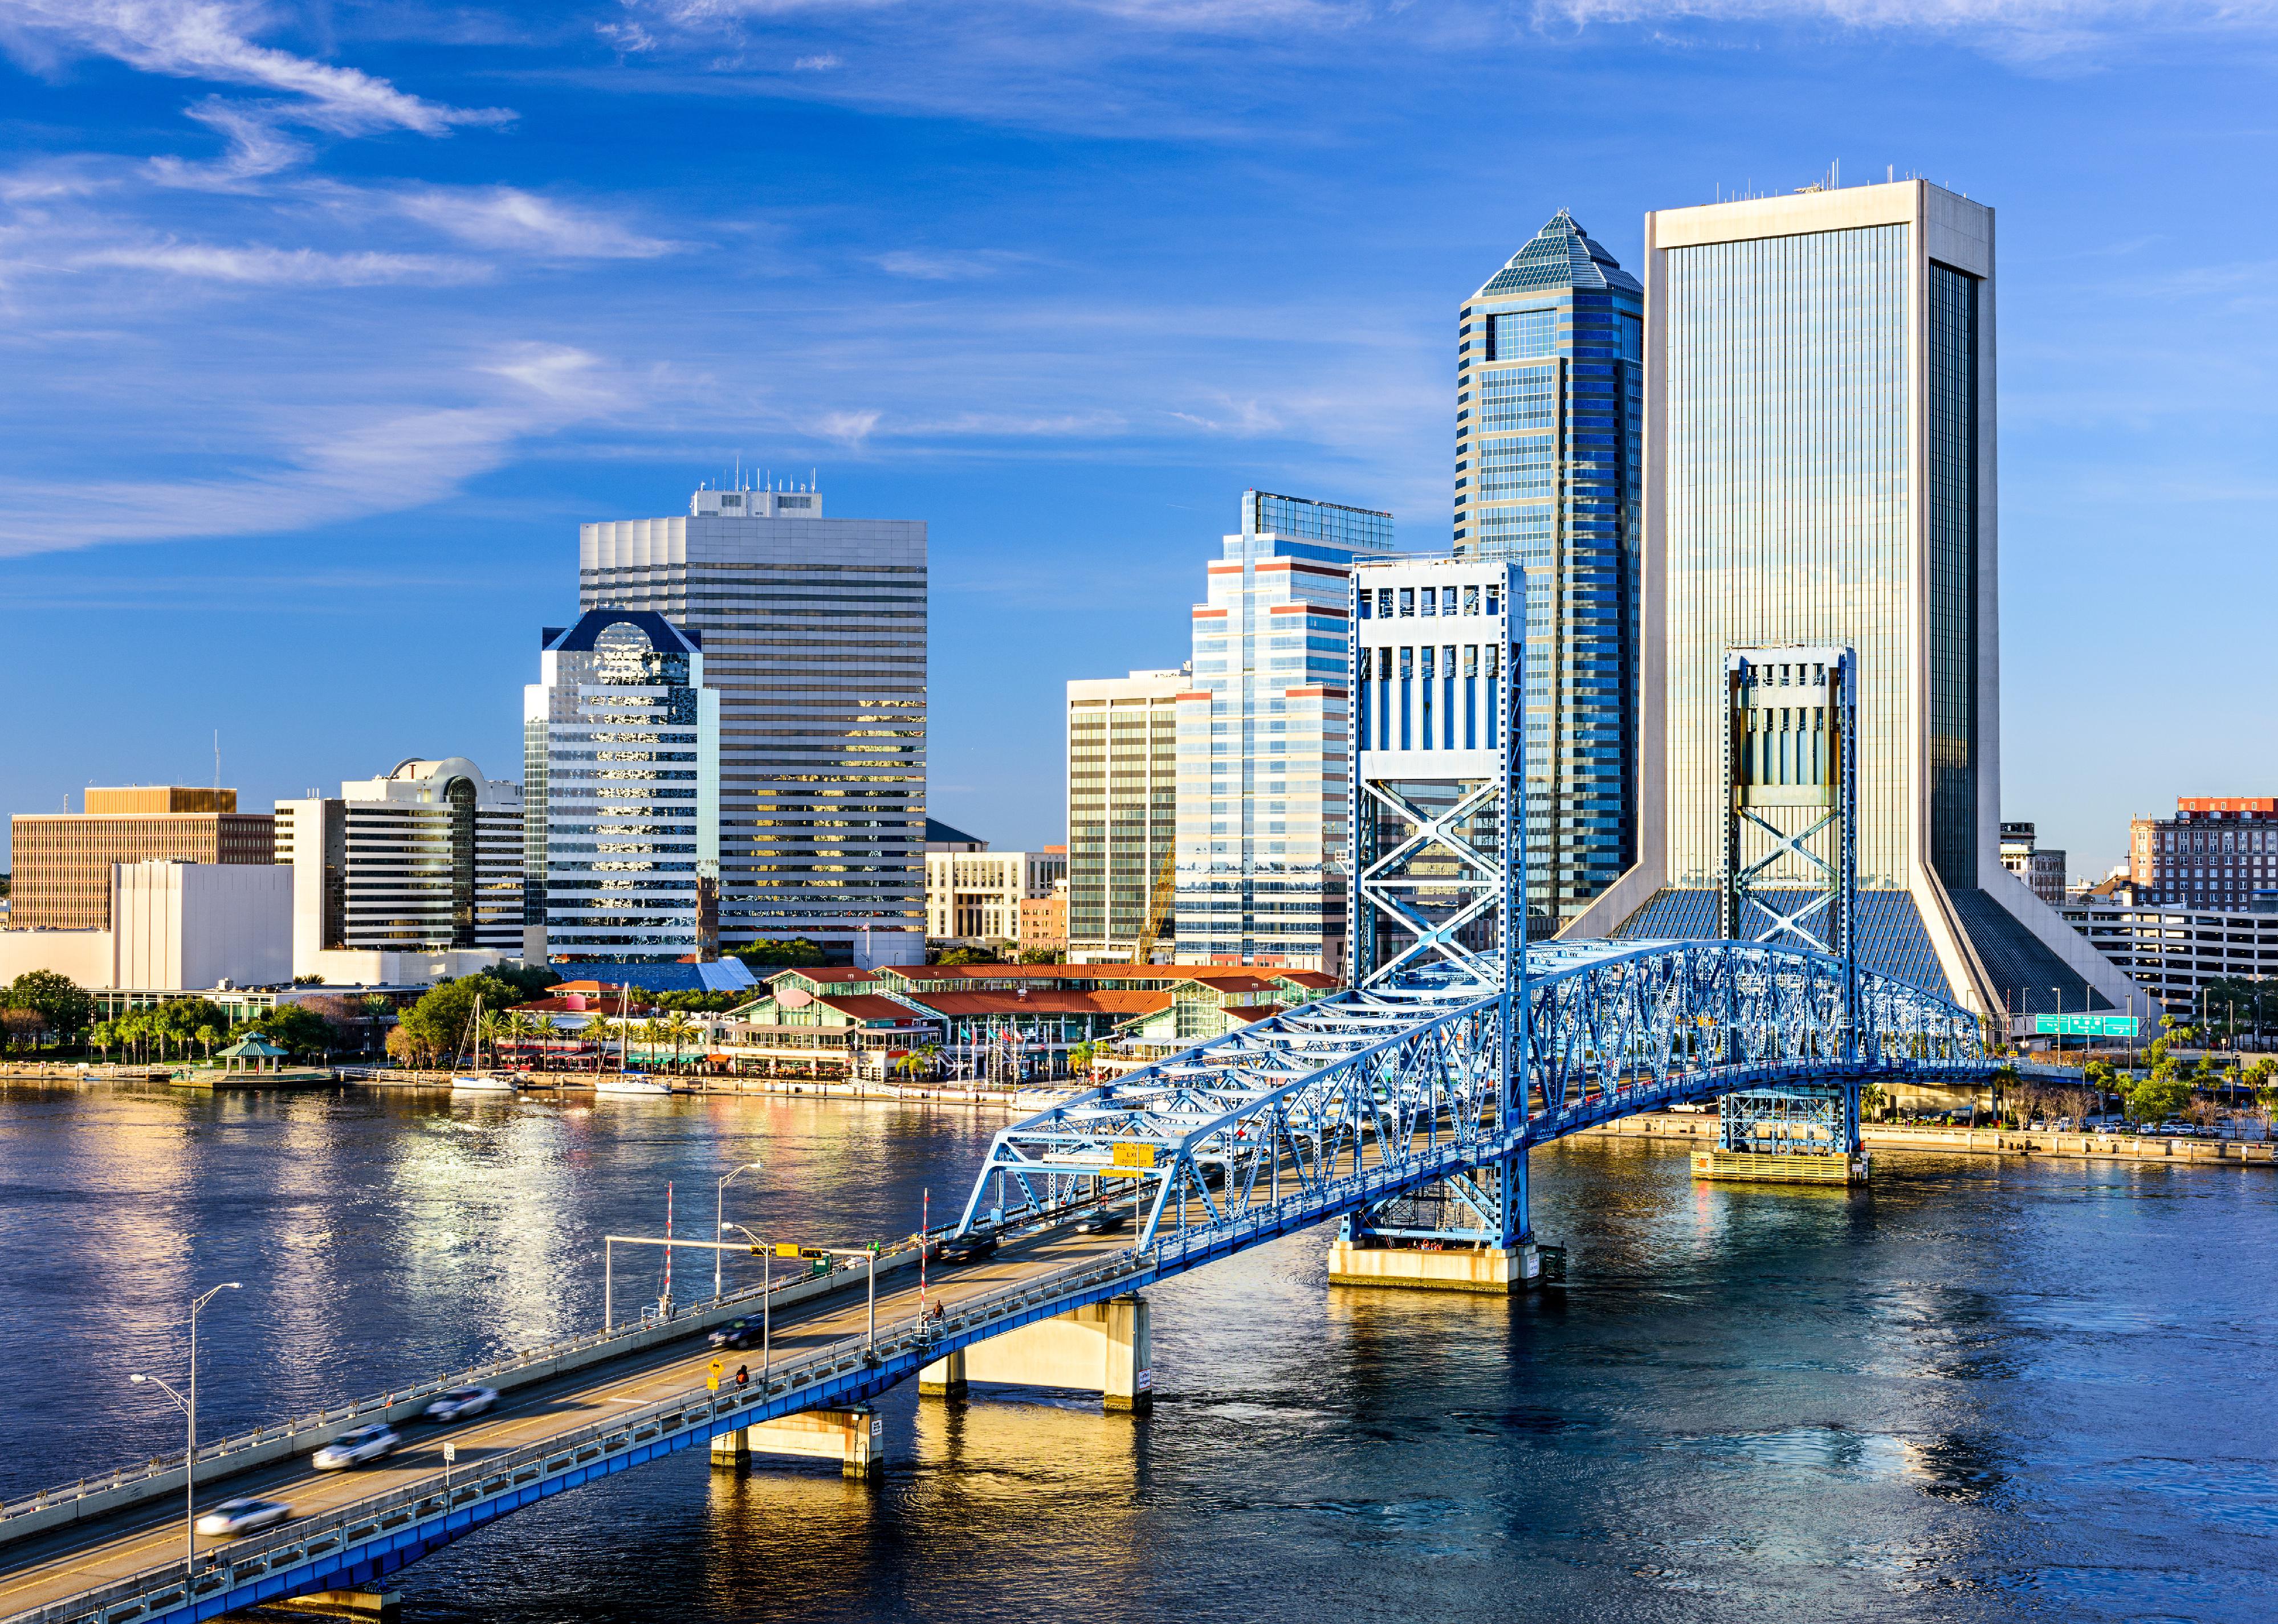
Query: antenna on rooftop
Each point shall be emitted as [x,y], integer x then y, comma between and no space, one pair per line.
[217,758]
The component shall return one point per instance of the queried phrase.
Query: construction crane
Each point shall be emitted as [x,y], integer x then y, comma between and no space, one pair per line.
[1159,908]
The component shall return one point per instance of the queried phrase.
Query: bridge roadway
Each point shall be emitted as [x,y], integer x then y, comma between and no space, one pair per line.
[44,1569]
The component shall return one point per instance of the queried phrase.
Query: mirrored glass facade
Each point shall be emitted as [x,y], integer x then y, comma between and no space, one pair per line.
[625,743]
[1548,434]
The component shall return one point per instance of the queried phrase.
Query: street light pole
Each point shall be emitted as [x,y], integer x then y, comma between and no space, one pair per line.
[189,1408]
[720,1213]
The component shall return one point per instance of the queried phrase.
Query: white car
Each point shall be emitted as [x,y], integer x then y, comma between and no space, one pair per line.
[461,1402]
[244,1516]
[356,1447]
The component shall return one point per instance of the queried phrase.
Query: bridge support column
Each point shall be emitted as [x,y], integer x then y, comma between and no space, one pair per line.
[944,1378]
[730,1453]
[1107,1348]
[382,1606]
[1801,1133]
[1470,1232]
[850,1436]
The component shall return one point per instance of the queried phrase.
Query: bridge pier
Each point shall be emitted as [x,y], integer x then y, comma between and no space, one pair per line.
[379,1606]
[850,1436]
[1803,1133]
[1107,1348]
[1470,1232]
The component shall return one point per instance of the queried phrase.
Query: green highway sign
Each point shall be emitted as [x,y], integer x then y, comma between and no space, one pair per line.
[2085,1025]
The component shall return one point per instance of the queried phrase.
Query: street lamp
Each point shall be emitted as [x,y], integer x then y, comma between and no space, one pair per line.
[719,1212]
[766,1292]
[189,1408]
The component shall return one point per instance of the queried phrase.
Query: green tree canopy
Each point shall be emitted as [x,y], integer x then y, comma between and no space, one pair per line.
[778,954]
[304,1032]
[2158,1096]
[436,1025]
[62,1007]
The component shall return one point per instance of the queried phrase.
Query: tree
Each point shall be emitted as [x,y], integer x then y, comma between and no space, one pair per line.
[528,980]
[1080,1058]
[102,1035]
[303,1032]
[2158,1096]
[700,1003]
[437,1022]
[1042,956]
[780,954]
[678,1029]
[62,1007]
[969,955]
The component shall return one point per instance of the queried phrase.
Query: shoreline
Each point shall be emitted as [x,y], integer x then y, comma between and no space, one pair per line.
[1982,1142]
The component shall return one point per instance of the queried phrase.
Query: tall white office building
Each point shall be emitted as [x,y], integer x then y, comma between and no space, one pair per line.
[427,858]
[1122,815]
[621,751]
[1820,474]
[814,632]
[1264,753]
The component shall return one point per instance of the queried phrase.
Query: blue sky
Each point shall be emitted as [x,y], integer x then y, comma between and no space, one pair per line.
[323,325]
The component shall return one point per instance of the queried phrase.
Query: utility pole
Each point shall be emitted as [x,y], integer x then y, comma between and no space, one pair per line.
[189,1408]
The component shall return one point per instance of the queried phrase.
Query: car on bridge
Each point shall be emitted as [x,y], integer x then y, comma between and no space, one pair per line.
[244,1516]
[967,1248]
[746,1333]
[461,1402]
[1105,1221]
[357,1445]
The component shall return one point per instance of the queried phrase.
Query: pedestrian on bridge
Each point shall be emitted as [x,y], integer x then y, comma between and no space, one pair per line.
[742,1376]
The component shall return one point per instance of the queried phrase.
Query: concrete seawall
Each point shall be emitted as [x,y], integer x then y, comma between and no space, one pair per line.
[1982,1142]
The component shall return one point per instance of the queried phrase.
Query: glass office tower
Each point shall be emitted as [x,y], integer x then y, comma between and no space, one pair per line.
[621,802]
[1821,471]
[1264,761]
[814,635]
[1549,424]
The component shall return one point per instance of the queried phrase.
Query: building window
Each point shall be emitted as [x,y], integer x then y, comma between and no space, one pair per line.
[1522,335]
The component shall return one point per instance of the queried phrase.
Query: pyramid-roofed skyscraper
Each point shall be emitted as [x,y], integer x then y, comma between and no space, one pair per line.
[1548,421]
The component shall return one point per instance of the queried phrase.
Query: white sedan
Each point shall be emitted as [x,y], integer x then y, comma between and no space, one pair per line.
[461,1402]
[244,1516]
[356,1447]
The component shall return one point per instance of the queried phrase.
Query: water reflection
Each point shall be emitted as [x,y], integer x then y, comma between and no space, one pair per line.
[1975,1391]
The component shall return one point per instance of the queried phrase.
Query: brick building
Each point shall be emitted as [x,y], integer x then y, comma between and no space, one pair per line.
[2216,852]
[62,860]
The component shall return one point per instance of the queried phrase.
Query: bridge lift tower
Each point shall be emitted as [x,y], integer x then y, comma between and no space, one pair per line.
[1791,880]
[1437,821]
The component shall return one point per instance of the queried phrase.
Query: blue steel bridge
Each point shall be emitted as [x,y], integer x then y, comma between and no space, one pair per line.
[1404,1109]
[1420,1092]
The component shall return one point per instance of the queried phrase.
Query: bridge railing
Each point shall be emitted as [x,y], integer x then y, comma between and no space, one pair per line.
[270,1433]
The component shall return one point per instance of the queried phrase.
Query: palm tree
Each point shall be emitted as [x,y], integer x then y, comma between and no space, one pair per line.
[492,1025]
[678,1030]
[600,1030]
[209,1035]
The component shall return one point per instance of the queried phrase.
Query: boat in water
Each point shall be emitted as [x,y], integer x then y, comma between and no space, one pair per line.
[475,1079]
[627,1082]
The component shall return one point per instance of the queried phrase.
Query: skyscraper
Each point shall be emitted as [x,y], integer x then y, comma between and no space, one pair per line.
[1548,432]
[814,635]
[621,741]
[1820,379]
[1263,751]
[1122,813]
[428,857]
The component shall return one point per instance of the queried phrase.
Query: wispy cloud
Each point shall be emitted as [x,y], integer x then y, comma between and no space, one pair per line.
[212,40]
[257,148]
[822,64]
[849,429]
[923,266]
[344,468]
[272,267]
[512,220]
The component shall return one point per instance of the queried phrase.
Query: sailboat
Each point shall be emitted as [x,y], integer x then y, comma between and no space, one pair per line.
[476,1080]
[625,1081]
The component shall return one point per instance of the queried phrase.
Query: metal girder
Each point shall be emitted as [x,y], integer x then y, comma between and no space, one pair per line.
[1392,1087]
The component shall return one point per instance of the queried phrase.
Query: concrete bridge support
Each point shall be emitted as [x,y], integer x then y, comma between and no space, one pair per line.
[1443,1267]
[373,1607]
[1107,1348]
[851,1437]
[1470,1232]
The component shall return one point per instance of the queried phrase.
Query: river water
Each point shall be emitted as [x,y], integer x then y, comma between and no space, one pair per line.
[1982,1390]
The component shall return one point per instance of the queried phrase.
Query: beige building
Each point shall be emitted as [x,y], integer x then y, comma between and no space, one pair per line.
[977,895]
[2041,868]
[62,860]
[1123,814]
[1044,919]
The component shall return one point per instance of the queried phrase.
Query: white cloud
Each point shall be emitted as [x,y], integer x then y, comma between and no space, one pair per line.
[209,39]
[816,64]
[256,148]
[928,267]
[510,219]
[342,468]
[268,266]
[849,429]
